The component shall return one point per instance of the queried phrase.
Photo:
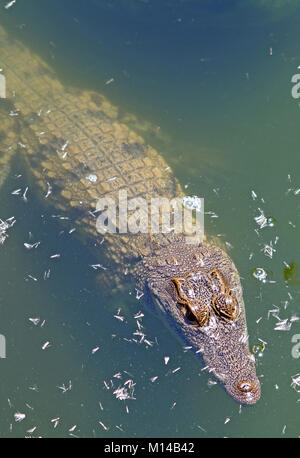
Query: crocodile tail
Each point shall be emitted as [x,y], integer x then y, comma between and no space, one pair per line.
[9,116]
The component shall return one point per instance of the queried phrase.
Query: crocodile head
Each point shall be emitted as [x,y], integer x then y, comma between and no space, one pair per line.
[199,291]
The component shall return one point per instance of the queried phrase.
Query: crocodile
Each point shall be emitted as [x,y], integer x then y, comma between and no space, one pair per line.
[77,149]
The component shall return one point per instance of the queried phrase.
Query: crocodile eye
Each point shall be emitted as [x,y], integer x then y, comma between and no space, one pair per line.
[226,306]
[194,308]
[182,291]
[198,311]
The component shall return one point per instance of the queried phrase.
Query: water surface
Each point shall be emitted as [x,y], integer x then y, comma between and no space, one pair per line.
[209,84]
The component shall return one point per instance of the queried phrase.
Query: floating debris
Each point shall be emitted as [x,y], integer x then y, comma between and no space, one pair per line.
[291,273]
[55,421]
[258,350]
[296,382]
[283,325]
[98,266]
[31,277]
[269,250]
[111,80]
[271,221]
[16,192]
[139,294]
[14,113]
[124,393]
[92,178]
[34,388]
[212,214]
[121,318]
[253,195]
[29,246]
[47,274]
[46,345]
[4,226]
[24,196]
[264,221]
[193,203]
[10,4]
[35,321]
[103,426]
[260,274]
[49,190]
[120,428]
[18,416]
[65,388]
[176,370]
[273,312]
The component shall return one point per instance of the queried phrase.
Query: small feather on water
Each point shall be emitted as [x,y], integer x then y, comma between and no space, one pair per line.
[98,266]
[176,370]
[10,4]
[35,321]
[103,426]
[18,416]
[46,345]
[65,388]
[296,382]
[29,246]
[55,421]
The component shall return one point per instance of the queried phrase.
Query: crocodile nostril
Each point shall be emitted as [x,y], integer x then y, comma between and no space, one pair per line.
[245,386]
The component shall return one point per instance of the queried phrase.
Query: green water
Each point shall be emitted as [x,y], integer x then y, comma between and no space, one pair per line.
[216,78]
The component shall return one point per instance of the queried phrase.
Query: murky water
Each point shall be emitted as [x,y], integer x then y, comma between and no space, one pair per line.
[210,85]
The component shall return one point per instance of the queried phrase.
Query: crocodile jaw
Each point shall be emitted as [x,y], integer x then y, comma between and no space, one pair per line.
[222,344]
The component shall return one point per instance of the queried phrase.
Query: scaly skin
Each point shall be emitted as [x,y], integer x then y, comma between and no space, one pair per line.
[68,135]
[9,137]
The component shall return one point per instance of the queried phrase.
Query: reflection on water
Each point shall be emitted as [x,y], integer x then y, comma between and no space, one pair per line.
[209,86]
